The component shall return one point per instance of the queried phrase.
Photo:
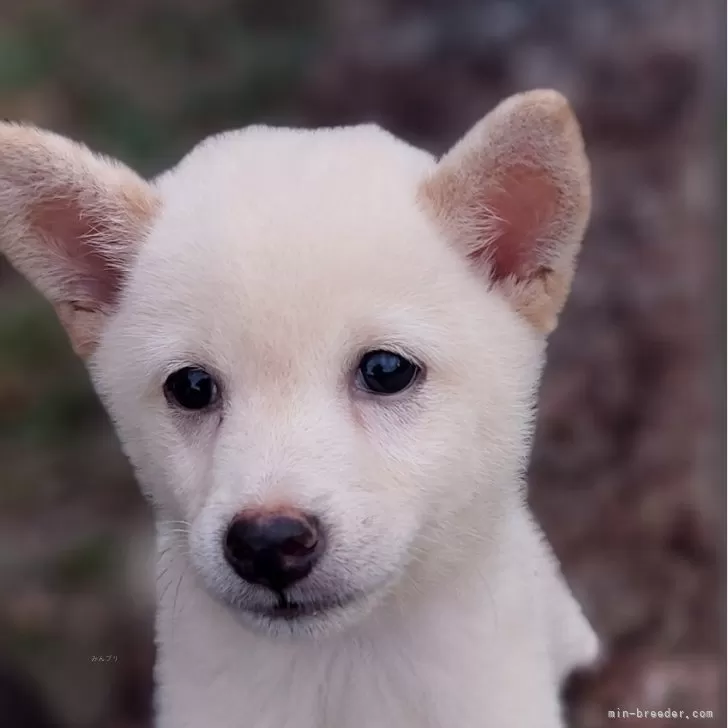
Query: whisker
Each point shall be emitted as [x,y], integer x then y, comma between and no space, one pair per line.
[174,604]
[169,523]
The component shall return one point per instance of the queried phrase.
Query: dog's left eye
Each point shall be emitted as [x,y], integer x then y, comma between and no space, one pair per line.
[383,372]
[191,388]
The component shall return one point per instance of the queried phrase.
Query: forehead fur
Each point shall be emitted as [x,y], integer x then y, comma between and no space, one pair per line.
[291,199]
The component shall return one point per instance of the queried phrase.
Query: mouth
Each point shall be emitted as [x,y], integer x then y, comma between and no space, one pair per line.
[289,610]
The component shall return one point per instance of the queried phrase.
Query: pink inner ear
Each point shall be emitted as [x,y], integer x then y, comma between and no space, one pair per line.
[94,279]
[523,202]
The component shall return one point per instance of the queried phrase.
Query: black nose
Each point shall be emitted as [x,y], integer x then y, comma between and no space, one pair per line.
[273,548]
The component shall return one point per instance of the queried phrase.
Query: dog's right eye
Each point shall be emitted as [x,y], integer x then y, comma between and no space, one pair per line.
[191,388]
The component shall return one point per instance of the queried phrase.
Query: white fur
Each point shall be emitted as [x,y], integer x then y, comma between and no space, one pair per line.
[277,258]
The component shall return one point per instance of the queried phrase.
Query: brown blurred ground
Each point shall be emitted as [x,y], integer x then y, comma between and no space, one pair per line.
[625,473]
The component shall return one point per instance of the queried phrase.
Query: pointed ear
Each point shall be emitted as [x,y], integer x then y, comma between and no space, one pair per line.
[70,222]
[514,196]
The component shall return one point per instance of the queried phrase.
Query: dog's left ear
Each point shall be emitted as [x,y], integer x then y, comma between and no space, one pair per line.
[70,222]
[514,195]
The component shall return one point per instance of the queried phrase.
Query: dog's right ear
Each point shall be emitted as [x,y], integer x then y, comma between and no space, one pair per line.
[70,222]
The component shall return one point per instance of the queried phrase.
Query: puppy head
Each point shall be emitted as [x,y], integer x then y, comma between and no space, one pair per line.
[320,348]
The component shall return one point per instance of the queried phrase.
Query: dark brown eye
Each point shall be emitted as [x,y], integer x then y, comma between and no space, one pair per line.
[382,372]
[191,388]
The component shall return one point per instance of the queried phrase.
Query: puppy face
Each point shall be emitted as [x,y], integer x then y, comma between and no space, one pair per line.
[320,349]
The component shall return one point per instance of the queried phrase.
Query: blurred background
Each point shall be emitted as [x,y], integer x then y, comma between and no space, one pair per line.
[625,473]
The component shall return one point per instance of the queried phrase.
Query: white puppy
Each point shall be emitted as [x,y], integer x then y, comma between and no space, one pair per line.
[321,351]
